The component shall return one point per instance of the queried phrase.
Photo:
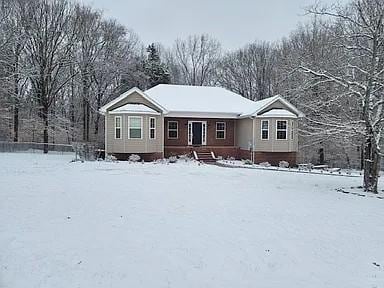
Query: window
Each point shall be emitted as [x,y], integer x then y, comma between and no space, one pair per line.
[265,129]
[135,127]
[117,127]
[173,129]
[152,128]
[220,130]
[281,130]
[292,129]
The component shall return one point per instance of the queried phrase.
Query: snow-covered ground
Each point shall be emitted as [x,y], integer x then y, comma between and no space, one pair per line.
[101,224]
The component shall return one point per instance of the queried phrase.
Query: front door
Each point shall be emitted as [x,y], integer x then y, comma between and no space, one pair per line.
[197,129]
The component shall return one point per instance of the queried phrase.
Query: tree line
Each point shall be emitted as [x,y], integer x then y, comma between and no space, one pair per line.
[61,61]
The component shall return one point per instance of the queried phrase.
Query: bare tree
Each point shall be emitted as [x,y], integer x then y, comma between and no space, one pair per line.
[249,71]
[359,33]
[196,58]
[49,26]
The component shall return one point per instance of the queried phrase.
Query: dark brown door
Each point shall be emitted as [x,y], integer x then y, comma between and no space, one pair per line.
[197,128]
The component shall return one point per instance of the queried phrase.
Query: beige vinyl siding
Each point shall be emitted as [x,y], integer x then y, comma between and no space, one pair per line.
[125,145]
[243,133]
[273,144]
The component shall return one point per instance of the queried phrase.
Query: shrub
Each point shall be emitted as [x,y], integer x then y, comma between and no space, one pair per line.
[283,164]
[134,158]
[247,162]
[265,164]
[172,159]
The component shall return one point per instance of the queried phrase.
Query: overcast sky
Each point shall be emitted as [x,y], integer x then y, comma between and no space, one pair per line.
[233,22]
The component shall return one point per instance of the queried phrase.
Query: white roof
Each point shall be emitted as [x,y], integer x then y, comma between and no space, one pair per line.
[198,99]
[259,106]
[126,94]
[278,113]
[135,108]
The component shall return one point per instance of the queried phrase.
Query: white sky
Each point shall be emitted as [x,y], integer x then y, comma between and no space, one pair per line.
[233,22]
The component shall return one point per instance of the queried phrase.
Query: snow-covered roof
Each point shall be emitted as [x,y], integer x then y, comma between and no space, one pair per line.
[126,94]
[278,113]
[135,108]
[198,99]
[201,101]
[259,106]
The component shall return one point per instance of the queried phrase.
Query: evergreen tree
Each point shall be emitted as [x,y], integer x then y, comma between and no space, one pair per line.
[156,71]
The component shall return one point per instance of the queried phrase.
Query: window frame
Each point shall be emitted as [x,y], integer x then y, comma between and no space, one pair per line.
[141,127]
[261,130]
[152,128]
[292,130]
[221,130]
[279,130]
[120,127]
[177,129]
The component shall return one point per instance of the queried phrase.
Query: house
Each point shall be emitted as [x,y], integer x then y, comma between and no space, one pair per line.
[176,119]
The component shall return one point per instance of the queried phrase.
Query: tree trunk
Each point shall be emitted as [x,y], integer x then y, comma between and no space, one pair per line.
[371,165]
[86,109]
[16,121]
[45,131]
[97,116]
[16,80]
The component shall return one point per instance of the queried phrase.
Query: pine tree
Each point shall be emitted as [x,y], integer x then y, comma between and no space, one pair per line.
[156,71]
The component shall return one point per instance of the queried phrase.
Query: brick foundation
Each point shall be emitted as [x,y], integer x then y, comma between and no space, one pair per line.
[272,157]
[224,152]
[147,157]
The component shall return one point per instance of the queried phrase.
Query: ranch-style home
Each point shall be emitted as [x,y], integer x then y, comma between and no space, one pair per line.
[205,122]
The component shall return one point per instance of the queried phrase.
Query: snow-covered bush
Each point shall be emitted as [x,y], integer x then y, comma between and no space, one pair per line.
[231,158]
[172,159]
[185,158]
[265,164]
[110,158]
[247,162]
[159,161]
[134,158]
[283,164]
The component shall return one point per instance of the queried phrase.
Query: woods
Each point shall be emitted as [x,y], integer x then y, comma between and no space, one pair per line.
[61,61]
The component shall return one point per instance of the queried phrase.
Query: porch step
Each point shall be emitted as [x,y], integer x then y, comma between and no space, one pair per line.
[204,156]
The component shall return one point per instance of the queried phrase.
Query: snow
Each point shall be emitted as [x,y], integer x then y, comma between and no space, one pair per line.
[135,108]
[204,99]
[278,113]
[106,224]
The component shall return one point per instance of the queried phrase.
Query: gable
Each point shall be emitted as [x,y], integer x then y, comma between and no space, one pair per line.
[132,96]
[278,104]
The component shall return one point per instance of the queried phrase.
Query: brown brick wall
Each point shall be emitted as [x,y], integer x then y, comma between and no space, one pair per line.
[211,132]
[272,157]
[223,151]
[147,157]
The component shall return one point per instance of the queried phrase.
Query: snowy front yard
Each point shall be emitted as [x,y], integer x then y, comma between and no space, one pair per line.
[101,224]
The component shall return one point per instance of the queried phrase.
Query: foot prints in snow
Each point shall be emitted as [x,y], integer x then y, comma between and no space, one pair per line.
[101,224]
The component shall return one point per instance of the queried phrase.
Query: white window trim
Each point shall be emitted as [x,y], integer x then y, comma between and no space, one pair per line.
[141,127]
[118,117]
[286,130]
[154,128]
[225,130]
[177,130]
[261,130]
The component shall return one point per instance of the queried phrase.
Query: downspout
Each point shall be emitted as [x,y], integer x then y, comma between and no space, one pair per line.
[105,135]
[253,140]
